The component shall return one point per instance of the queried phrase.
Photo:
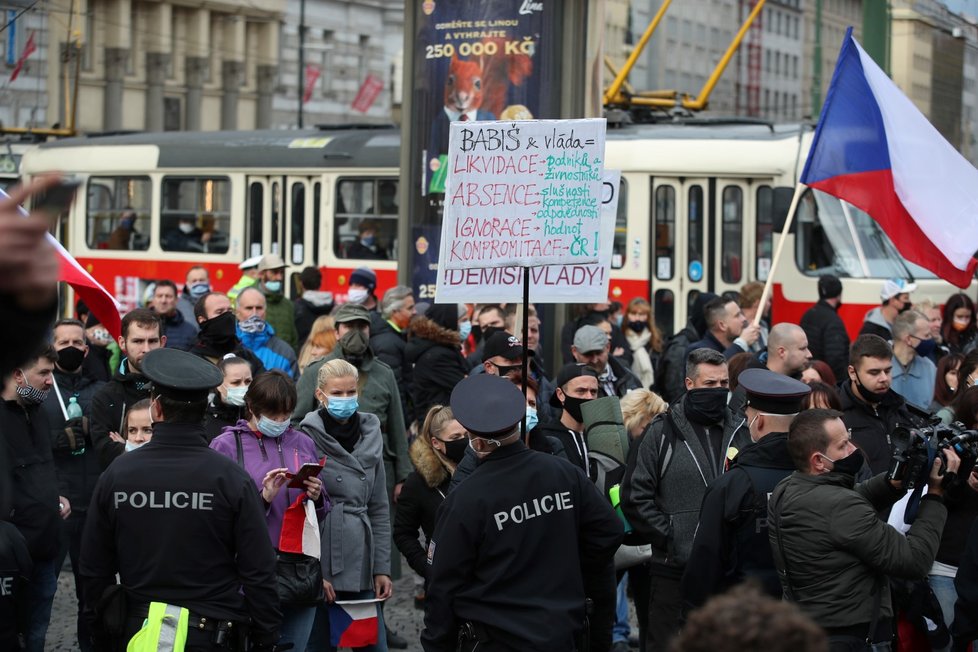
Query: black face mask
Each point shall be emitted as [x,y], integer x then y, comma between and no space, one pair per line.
[504,370]
[848,465]
[455,449]
[355,342]
[637,326]
[219,332]
[706,405]
[70,358]
[573,406]
[486,333]
[868,395]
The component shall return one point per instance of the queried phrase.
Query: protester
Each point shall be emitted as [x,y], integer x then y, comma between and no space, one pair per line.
[217,336]
[363,283]
[227,405]
[895,296]
[818,371]
[180,332]
[947,381]
[638,408]
[727,330]
[196,285]
[259,336]
[913,373]
[592,314]
[750,304]
[828,339]
[576,384]
[672,364]
[644,339]
[592,346]
[137,425]
[434,348]
[279,311]
[388,339]
[958,331]
[320,342]
[313,304]
[823,397]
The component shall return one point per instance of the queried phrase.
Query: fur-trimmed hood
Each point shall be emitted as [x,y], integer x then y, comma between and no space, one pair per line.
[426,334]
[427,464]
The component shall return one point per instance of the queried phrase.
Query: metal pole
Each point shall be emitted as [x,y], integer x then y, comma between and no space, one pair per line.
[768,285]
[526,350]
[302,57]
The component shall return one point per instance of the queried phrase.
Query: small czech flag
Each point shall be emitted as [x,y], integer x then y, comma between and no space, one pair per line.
[353,623]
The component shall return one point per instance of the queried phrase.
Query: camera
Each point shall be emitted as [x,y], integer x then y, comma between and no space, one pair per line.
[914,450]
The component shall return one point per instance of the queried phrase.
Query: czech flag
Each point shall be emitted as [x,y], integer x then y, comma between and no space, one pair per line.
[875,150]
[353,623]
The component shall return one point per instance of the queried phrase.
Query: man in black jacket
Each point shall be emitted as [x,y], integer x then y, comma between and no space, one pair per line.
[142,332]
[388,339]
[313,304]
[827,336]
[727,330]
[593,348]
[576,383]
[870,409]
[74,455]
[671,373]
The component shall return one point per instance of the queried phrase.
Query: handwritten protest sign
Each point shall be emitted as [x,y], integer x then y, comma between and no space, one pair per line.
[522,193]
[549,284]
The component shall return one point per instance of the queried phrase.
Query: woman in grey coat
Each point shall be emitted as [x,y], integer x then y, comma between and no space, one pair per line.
[356,548]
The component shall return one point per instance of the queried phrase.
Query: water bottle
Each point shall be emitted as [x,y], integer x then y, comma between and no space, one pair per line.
[74,410]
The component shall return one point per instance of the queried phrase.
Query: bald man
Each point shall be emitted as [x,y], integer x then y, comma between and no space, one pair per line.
[787,350]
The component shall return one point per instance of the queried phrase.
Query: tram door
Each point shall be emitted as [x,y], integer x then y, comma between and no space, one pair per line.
[698,235]
[301,237]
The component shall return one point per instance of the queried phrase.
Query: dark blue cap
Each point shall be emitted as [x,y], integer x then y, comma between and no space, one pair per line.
[180,375]
[488,405]
[773,393]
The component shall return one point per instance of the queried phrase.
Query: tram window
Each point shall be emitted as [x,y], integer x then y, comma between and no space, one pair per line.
[118,213]
[256,197]
[765,229]
[298,222]
[696,227]
[276,216]
[665,232]
[195,214]
[620,246]
[664,308]
[731,236]
[366,219]
[317,200]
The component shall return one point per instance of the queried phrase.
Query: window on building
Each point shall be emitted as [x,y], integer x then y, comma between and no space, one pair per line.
[118,213]
[195,214]
[366,219]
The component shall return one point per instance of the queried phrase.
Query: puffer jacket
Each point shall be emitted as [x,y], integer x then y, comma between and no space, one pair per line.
[356,541]
[438,364]
[273,352]
[423,492]
[838,549]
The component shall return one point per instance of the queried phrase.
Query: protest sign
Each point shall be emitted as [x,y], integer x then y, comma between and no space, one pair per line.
[522,193]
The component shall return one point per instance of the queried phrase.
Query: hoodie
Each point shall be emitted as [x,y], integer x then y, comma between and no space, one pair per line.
[876,324]
[311,306]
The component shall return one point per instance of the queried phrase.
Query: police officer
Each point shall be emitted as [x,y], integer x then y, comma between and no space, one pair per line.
[520,544]
[731,542]
[182,525]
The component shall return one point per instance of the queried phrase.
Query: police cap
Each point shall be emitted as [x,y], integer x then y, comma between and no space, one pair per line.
[179,375]
[487,405]
[773,393]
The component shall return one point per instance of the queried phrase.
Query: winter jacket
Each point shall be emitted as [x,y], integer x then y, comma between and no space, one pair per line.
[438,364]
[75,458]
[871,426]
[220,415]
[312,305]
[34,499]
[280,315]
[389,345]
[109,407]
[671,374]
[571,447]
[356,536]
[625,381]
[180,333]
[185,306]
[378,395]
[710,341]
[644,358]
[876,324]
[661,496]
[422,493]
[15,573]
[827,337]
[267,347]
[259,455]
[839,551]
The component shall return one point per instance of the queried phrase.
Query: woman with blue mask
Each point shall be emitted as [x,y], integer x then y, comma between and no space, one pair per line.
[266,445]
[356,536]
[227,404]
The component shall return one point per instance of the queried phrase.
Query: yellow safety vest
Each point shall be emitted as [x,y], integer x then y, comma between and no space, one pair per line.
[165,630]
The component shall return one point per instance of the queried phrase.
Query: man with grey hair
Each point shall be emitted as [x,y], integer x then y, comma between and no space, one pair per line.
[691,441]
[388,337]
[913,372]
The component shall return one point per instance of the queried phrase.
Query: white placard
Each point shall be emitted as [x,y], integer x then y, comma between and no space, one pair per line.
[522,193]
[549,284]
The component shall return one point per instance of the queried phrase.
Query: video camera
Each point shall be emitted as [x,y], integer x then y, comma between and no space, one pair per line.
[914,450]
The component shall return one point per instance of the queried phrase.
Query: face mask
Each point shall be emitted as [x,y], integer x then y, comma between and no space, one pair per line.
[273,286]
[483,334]
[369,241]
[848,465]
[358,295]
[906,306]
[130,447]
[186,227]
[253,324]
[219,331]
[199,290]
[573,406]
[492,442]
[866,394]
[465,329]
[70,358]
[925,348]
[637,326]
[752,421]
[618,320]
[127,222]
[505,369]
[706,405]
[271,428]
[532,419]
[455,449]
[342,407]
[960,326]
[236,396]
[355,342]
[31,394]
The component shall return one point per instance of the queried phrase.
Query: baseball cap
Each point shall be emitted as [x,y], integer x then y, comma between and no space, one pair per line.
[502,344]
[894,286]
[568,373]
[590,338]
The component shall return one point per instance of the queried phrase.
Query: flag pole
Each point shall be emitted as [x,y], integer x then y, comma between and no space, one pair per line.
[768,285]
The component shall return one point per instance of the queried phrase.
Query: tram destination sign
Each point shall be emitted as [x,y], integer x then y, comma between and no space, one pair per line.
[523,194]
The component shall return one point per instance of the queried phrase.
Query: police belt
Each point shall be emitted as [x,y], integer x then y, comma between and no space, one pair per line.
[195,621]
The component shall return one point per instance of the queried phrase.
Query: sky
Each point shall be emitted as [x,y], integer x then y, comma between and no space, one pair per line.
[969,7]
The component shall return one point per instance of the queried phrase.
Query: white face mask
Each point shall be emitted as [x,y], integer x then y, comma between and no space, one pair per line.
[357,295]
[235,396]
[130,447]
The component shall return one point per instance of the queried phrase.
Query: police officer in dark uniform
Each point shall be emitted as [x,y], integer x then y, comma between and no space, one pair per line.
[731,542]
[520,544]
[181,525]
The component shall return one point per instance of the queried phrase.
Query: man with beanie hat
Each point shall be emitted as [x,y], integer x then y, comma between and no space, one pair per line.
[363,283]
[827,337]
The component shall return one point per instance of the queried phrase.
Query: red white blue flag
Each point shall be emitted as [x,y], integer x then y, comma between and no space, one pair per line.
[353,623]
[874,149]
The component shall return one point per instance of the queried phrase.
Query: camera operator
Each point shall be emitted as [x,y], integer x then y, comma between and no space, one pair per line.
[832,551]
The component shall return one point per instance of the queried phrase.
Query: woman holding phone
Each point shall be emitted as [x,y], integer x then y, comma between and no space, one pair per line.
[271,450]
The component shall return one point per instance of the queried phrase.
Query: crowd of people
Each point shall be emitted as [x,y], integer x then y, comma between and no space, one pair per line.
[753,452]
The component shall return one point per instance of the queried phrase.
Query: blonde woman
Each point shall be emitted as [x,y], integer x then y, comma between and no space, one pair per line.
[356,548]
[322,339]
[644,339]
[639,407]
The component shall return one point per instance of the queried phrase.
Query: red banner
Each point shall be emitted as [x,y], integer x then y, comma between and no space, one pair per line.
[29,48]
[312,76]
[368,93]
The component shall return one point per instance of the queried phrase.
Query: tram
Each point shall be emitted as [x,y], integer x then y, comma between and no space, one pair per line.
[699,207]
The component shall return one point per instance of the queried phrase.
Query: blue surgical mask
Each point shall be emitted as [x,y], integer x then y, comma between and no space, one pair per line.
[130,447]
[199,290]
[271,428]
[236,396]
[531,418]
[273,286]
[369,241]
[342,407]
[465,329]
